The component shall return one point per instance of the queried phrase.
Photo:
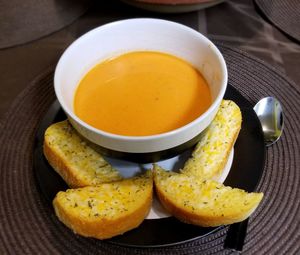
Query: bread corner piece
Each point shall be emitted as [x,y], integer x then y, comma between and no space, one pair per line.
[203,202]
[73,159]
[108,209]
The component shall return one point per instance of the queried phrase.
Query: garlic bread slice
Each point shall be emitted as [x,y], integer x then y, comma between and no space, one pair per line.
[203,202]
[73,159]
[108,209]
[211,153]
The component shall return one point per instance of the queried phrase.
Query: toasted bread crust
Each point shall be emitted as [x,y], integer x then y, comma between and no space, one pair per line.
[195,219]
[206,215]
[102,226]
[62,167]
[211,153]
[66,163]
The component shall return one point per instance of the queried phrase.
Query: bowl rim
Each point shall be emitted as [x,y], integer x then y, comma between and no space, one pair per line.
[168,134]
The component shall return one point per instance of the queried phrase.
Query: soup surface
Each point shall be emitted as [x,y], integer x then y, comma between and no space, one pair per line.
[141,93]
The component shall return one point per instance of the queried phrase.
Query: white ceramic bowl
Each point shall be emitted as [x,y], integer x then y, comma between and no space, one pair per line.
[119,37]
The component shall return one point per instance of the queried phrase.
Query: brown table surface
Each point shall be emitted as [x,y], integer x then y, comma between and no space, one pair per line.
[236,23]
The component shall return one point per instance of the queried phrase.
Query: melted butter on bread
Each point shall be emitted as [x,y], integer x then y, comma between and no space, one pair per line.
[108,209]
[211,153]
[205,203]
[73,159]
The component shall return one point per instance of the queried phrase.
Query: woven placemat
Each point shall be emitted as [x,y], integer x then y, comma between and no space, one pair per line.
[25,21]
[284,14]
[29,226]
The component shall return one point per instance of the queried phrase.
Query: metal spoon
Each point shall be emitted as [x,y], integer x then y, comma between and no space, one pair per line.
[270,114]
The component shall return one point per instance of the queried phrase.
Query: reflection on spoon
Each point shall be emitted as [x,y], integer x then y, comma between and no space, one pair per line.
[270,114]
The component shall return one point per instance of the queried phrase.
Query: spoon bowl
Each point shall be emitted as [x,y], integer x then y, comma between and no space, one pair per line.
[270,114]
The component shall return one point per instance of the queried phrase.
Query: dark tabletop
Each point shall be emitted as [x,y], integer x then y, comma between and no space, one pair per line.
[238,27]
[236,23]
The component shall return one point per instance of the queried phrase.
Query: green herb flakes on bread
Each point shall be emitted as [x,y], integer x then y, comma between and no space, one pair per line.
[206,203]
[108,209]
[73,159]
[211,153]
[103,204]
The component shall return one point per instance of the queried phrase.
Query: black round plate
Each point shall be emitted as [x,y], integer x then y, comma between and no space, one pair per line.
[245,173]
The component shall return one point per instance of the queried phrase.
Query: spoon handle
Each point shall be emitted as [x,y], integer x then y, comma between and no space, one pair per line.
[236,235]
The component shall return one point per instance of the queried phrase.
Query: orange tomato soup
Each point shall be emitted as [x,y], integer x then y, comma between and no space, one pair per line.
[141,93]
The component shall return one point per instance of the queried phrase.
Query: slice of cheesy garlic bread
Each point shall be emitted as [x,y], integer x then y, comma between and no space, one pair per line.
[73,159]
[108,209]
[211,153]
[201,202]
